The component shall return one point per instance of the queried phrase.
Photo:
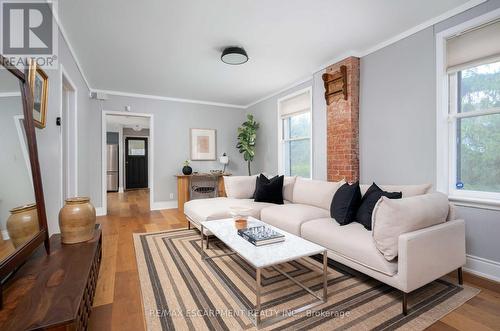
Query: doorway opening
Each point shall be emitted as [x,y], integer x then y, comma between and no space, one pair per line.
[127,156]
[68,137]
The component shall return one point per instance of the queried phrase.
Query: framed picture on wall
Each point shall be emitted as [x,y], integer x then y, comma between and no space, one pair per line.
[203,144]
[39,83]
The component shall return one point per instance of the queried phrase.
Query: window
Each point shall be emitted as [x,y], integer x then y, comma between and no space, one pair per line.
[136,147]
[474,117]
[294,129]
[469,120]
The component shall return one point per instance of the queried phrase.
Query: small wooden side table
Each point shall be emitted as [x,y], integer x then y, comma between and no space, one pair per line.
[183,187]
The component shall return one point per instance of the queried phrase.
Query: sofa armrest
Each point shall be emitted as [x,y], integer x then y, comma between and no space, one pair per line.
[427,254]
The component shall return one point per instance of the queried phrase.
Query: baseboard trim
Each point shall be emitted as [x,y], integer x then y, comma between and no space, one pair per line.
[483,267]
[5,235]
[159,205]
[100,211]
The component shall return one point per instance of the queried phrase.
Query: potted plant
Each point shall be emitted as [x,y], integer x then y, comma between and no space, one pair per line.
[187,170]
[247,135]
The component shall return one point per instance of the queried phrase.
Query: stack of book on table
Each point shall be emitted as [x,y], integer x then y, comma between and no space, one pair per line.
[261,235]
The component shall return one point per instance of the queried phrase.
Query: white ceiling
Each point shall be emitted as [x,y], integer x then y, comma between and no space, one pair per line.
[172,48]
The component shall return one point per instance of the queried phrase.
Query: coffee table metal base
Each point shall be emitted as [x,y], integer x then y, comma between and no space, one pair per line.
[256,319]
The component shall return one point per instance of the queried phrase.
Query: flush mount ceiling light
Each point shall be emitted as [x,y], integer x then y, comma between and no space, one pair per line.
[234,55]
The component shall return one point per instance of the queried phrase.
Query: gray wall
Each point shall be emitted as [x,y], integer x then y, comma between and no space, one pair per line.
[398,123]
[266,113]
[397,120]
[49,149]
[171,136]
[399,105]
[174,120]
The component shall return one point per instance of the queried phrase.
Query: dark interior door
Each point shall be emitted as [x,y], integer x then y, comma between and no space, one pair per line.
[136,163]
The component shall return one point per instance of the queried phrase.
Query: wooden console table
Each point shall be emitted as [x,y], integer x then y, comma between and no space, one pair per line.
[54,292]
[183,187]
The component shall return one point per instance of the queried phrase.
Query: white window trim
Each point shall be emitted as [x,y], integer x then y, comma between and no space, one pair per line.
[445,144]
[281,168]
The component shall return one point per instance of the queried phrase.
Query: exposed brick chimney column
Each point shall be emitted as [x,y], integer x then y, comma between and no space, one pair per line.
[343,127]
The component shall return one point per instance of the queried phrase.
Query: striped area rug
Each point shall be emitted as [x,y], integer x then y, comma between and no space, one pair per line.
[182,292]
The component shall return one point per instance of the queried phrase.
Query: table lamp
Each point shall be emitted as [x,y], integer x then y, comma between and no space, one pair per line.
[224,159]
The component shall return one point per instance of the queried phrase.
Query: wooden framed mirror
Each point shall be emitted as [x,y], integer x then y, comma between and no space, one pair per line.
[23,220]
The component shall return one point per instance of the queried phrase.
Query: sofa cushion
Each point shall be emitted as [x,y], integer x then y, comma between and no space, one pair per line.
[239,187]
[351,241]
[288,184]
[318,193]
[289,217]
[406,190]
[393,217]
[269,190]
[201,210]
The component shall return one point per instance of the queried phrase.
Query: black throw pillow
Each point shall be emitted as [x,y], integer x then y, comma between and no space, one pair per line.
[345,203]
[269,190]
[368,202]
[256,185]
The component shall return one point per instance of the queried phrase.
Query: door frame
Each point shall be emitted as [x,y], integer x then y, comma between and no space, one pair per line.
[71,120]
[125,155]
[104,209]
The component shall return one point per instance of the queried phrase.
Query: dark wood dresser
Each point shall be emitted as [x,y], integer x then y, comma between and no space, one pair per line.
[54,292]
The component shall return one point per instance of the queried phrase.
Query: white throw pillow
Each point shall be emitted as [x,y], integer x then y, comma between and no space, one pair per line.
[318,193]
[288,184]
[239,187]
[393,217]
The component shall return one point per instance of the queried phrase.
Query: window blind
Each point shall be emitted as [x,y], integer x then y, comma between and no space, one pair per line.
[474,47]
[296,104]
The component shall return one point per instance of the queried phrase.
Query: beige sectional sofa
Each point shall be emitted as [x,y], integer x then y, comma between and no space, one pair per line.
[423,255]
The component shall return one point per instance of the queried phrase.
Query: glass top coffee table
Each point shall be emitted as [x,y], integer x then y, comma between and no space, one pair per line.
[265,256]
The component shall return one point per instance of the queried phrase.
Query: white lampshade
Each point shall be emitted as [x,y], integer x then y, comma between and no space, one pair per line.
[224,159]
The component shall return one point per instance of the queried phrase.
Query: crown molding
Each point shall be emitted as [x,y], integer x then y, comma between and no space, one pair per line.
[450,13]
[297,83]
[164,98]
[336,59]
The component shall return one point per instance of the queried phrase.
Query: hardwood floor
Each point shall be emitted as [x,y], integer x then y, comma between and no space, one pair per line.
[117,303]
